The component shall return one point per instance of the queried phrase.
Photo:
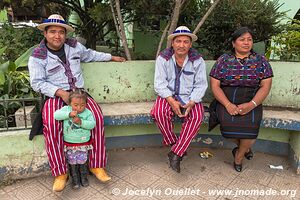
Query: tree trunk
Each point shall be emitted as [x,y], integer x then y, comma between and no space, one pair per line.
[175,17]
[120,26]
[162,38]
[90,34]
[212,7]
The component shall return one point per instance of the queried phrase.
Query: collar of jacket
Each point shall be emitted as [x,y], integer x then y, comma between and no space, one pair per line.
[41,50]
[168,53]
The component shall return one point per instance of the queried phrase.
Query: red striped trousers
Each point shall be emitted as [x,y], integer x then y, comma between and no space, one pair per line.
[163,114]
[53,132]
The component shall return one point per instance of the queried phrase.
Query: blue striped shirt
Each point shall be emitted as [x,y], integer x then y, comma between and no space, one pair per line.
[191,83]
[48,73]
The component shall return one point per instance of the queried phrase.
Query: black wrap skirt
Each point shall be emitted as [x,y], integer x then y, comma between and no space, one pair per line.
[239,126]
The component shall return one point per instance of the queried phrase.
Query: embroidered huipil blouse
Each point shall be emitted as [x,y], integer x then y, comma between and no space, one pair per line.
[232,71]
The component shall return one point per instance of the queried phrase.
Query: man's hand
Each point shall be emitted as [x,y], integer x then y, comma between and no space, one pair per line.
[77,120]
[63,94]
[118,59]
[188,107]
[73,114]
[175,105]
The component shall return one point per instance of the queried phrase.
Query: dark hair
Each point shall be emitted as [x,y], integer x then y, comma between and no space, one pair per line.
[78,93]
[239,32]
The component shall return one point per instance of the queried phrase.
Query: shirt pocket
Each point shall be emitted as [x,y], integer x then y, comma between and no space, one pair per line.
[188,78]
[53,69]
[188,73]
[75,66]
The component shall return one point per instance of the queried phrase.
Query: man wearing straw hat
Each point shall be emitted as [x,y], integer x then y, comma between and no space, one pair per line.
[54,68]
[180,83]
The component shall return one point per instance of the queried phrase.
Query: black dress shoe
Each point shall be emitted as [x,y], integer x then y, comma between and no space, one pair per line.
[237,167]
[184,154]
[174,161]
[249,155]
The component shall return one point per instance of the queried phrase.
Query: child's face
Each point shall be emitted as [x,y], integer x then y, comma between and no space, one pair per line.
[78,104]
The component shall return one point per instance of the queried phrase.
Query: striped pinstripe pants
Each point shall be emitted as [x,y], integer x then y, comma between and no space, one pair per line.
[53,132]
[162,114]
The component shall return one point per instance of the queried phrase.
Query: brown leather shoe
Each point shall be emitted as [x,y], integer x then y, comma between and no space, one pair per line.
[100,174]
[60,182]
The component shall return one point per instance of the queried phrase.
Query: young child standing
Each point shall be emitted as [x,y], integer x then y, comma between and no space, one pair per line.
[78,121]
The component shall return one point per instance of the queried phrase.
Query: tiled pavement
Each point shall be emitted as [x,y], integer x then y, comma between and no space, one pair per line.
[144,172]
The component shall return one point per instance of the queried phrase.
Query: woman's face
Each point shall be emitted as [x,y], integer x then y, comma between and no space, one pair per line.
[243,44]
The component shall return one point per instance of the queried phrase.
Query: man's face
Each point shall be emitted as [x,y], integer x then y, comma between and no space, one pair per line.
[181,45]
[55,36]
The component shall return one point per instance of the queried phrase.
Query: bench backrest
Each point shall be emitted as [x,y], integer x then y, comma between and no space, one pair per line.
[110,82]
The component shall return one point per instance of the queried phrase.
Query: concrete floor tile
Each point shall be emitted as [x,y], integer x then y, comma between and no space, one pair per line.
[286,184]
[119,190]
[141,178]
[242,188]
[30,191]
[4,195]
[133,171]
[164,189]
[82,193]
[253,174]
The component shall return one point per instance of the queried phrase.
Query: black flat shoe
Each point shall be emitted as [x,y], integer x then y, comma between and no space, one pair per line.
[237,167]
[174,161]
[249,155]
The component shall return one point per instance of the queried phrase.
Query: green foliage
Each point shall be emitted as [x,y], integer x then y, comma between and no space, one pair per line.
[17,41]
[261,16]
[287,43]
[14,84]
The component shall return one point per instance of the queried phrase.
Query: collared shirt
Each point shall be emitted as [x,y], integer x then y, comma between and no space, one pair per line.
[48,73]
[190,83]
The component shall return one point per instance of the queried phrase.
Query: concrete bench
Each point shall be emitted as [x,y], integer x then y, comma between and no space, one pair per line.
[125,94]
[279,134]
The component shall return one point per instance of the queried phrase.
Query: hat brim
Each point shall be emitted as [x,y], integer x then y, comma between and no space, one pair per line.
[66,26]
[193,36]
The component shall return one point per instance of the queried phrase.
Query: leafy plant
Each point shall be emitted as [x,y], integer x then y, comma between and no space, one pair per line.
[286,45]
[14,84]
[16,41]
[261,16]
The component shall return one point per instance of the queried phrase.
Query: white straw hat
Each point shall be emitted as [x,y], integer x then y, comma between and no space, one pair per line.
[183,30]
[55,20]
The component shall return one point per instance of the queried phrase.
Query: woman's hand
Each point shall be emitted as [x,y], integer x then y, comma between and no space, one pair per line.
[244,108]
[232,109]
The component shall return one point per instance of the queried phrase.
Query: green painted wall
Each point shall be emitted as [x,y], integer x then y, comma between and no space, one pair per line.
[132,81]
[145,44]
[131,130]
[16,149]
[18,153]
